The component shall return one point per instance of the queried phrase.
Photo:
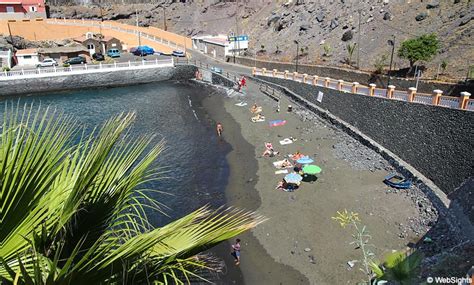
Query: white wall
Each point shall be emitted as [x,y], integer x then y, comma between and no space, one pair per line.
[33,60]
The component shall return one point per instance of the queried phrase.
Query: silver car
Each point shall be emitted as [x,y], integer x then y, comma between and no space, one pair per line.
[47,62]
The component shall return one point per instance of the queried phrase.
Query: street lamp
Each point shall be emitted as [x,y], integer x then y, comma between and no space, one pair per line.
[255,56]
[391,43]
[297,55]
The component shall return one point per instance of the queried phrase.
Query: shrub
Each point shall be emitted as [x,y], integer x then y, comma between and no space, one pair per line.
[380,63]
[420,48]
[327,50]
[66,65]
[5,68]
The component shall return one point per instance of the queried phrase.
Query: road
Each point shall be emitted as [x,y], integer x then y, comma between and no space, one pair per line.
[124,57]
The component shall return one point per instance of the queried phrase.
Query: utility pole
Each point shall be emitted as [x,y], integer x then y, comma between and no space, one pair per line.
[10,32]
[237,29]
[139,34]
[392,43]
[297,55]
[358,41]
[164,19]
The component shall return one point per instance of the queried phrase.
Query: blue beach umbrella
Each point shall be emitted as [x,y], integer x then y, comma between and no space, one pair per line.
[293,178]
[305,160]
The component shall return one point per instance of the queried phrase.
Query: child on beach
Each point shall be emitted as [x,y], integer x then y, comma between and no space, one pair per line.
[236,251]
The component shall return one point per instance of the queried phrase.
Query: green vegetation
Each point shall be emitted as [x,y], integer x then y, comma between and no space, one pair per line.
[327,50]
[66,65]
[361,239]
[380,63]
[74,207]
[5,68]
[350,52]
[444,65]
[400,267]
[421,48]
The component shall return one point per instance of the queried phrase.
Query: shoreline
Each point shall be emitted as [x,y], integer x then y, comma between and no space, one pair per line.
[257,266]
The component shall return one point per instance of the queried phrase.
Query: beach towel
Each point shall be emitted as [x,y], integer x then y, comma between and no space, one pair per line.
[241,104]
[284,171]
[286,141]
[277,123]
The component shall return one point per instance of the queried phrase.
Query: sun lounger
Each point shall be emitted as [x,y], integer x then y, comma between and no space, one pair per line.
[284,171]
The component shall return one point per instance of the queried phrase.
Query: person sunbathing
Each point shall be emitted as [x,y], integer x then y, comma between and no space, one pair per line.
[297,155]
[258,118]
[286,163]
[281,185]
[255,108]
[269,150]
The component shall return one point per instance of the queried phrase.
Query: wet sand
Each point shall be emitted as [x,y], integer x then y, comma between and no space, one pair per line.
[300,243]
[257,266]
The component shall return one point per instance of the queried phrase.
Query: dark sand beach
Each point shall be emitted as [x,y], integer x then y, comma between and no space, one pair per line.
[300,243]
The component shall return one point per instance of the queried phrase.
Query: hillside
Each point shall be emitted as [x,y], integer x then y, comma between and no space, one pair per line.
[274,25]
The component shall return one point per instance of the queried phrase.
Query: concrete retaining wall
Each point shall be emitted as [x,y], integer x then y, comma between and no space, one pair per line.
[93,80]
[436,141]
[361,77]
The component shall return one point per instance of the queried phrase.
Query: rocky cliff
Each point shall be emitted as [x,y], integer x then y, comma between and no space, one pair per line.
[323,28]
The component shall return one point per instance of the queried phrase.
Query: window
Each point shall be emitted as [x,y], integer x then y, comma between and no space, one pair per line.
[27,56]
[10,9]
[90,46]
[114,45]
[33,9]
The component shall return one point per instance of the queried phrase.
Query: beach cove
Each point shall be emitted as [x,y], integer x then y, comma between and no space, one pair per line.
[300,232]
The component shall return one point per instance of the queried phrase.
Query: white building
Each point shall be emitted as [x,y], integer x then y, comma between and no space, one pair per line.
[5,59]
[221,45]
[27,57]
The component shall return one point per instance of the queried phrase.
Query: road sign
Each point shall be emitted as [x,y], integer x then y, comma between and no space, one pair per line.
[239,38]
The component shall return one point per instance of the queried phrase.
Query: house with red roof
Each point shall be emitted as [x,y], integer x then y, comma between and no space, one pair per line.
[22,9]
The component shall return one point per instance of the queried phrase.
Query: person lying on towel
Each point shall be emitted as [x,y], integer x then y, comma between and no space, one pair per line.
[258,118]
[256,109]
[269,151]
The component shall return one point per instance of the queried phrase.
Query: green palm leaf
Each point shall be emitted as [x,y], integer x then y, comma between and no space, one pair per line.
[76,213]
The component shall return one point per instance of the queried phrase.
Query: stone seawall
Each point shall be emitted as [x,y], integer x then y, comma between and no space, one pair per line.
[361,77]
[436,141]
[94,80]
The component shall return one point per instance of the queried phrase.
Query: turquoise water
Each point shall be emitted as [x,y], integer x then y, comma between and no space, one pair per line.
[194,156]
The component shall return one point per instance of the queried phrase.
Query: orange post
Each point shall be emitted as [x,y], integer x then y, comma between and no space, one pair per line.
[464,98]
[411,93]
[437,96]
[326,82]
[254,71]
[286,74]
[295,75]
[390,90]
[305,76]
[371,89]
[339,84]
[274,72]
[354,87]
[315,79]
[264,70]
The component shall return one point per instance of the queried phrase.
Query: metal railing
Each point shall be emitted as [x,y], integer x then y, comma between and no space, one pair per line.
[85,68]
[410,95]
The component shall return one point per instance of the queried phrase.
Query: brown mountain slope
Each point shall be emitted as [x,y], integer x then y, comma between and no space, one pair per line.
[314,24]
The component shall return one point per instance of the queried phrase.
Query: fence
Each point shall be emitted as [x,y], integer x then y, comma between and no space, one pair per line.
[124,29]
[390,93]
[84,68]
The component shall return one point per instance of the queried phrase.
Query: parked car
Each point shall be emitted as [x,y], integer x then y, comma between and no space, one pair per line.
[178,53]
[76,60]
[113,52]
[216,69]
[143,51]
[98,56]
[47,62]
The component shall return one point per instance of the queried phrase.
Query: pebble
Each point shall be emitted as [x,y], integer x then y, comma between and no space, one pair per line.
[307,249]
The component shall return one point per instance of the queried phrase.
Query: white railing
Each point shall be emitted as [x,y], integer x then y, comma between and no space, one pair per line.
[449,102]
[423,99]
[85,69]
[411,96]
[83,23]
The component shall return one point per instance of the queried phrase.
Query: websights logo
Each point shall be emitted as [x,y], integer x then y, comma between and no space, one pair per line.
[450,280]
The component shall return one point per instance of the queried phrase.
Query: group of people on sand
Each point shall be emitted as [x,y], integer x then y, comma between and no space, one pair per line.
[257,110]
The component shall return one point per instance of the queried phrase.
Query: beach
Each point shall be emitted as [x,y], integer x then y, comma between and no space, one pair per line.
[301,243]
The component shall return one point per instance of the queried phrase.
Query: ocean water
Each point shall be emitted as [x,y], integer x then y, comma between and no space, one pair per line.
[194,157]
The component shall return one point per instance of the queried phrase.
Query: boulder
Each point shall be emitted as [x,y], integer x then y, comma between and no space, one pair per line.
[421,17]
[320,17]
[272,19]
[347,36]
[305,27]
[334,24]
[432,5]
[387,16]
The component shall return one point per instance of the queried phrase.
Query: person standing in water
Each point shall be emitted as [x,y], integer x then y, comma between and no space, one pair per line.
[219,129]
[236,251]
